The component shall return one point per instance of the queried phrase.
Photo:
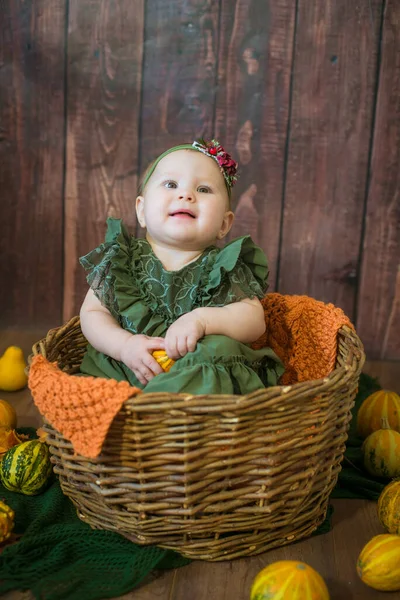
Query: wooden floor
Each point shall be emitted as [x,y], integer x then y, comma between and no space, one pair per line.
[333,555]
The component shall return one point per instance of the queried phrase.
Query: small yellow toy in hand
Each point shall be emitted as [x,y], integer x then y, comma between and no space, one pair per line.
[163,360]
[12,370]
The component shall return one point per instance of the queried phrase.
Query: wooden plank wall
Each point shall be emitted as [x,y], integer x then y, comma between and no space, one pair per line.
[378,307]
[32,136]
[305,94]
[334,78]
[104,74]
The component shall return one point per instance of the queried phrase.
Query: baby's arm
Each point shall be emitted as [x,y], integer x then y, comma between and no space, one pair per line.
[243,321]
[102,331]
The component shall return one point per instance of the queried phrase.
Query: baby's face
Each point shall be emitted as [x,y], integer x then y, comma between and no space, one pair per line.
[185,203]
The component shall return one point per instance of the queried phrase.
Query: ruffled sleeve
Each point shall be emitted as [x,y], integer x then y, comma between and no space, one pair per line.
[109,262]
[240,270]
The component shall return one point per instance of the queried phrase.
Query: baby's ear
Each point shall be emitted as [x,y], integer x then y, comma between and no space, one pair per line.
[226,224]
[140,211]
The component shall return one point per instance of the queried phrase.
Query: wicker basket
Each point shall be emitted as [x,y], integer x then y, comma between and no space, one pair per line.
[213,477]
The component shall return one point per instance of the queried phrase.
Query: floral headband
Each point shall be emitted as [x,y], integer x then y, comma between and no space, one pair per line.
[214,150]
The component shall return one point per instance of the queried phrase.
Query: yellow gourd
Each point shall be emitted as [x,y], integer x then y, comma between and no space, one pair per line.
[381,452]
[163,360]
[379,563]
[379,405]
[12,370]
[389,507]
[289,580]
[6,521]
[8,416]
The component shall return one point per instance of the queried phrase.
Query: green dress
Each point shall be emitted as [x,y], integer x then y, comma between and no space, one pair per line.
[129,280]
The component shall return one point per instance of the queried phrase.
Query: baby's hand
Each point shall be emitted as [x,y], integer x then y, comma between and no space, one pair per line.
[136,354]
[182,335]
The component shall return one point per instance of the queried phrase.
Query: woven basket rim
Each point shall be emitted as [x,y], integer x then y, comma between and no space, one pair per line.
[215,403]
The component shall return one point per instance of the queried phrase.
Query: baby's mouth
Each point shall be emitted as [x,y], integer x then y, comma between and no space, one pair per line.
[182,213]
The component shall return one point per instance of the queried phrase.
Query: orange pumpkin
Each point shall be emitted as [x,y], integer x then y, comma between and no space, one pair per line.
[8,416]
[379,405]
[379,563]
[289,580]
[8,439]
[163,360]
[381,452]
[389,507]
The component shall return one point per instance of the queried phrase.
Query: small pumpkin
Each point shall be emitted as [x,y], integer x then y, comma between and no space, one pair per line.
[8,416]
[163,360]
[26,468]
[6,521]
[381,452]
[379,563]
[289,580]
[389,507]
[379,405]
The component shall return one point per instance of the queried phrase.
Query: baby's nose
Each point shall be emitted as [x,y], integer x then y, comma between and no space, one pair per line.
[186,195]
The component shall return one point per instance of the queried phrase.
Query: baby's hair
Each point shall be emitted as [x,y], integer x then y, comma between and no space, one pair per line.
[146,176]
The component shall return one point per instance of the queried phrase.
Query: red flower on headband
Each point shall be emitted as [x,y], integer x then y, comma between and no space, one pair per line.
[227,163]
[214,149]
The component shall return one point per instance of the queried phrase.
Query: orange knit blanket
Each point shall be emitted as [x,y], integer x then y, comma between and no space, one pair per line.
[80,408]
[301,330]
[303,333]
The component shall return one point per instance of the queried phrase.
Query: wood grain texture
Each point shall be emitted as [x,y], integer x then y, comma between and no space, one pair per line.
[31,161]
[161,588]
[387,372]
[333,91]
[378,320]
[105,45]
[179,76]
[255,61]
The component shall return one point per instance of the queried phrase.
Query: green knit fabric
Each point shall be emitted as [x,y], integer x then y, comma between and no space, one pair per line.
[61,558]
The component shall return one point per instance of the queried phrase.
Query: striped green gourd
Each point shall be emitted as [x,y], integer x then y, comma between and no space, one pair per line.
[25,468]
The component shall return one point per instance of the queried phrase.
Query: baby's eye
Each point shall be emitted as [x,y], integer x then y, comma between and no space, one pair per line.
[204,189]
[171,185]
